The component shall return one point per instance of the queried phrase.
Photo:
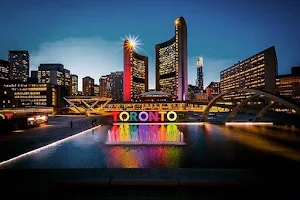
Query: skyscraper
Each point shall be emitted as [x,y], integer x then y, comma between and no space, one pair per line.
[212,90]
[53,73]
[171,63]
[103,85]
[4,69]
[258,72]
[74,84]
[116,85]
[135,79]
[200,74]
[96,90]
[88,86]
[19,65]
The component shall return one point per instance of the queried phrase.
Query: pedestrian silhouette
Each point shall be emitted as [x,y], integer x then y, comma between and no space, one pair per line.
[71,124]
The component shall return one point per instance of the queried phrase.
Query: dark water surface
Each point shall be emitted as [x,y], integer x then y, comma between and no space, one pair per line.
[172,146]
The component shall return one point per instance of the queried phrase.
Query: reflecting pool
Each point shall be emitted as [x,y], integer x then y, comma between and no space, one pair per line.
[127,134]
[171,146]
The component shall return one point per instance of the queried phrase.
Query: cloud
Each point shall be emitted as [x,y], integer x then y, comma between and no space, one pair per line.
[211,68]
[96,57]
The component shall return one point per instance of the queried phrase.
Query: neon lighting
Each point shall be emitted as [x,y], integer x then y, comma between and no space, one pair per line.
[121,116]
[6,115]
[153,116]
[133,116]
[128,134]
[115,116]
[145,116]
[24,155]
[162,115]
[174,114]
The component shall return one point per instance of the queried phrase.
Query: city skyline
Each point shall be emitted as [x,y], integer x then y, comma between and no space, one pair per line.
[100,49]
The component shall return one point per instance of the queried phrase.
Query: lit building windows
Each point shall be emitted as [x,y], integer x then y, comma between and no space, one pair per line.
[171,64]
[135,76]
[251,73]
[19,65]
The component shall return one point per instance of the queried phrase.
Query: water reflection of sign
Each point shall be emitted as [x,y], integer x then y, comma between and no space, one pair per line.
[6,115]
[145,116]
[127,134]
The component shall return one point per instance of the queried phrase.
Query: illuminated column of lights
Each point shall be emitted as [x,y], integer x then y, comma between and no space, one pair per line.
[178,93]
[131,72]
[127,72]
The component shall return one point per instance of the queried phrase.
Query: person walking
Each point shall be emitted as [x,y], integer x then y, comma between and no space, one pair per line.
[71,124]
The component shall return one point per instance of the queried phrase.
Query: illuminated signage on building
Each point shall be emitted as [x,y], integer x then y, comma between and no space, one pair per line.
[6,115]
[152,116]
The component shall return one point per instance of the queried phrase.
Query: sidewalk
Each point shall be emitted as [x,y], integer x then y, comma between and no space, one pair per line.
[16,143]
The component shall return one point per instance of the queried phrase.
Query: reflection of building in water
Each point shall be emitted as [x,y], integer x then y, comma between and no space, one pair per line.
[145,134]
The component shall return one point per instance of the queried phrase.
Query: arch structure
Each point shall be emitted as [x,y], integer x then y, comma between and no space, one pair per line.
[275,98]
[89,102]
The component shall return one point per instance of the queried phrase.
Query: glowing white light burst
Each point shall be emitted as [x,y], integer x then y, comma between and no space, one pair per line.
[134,41]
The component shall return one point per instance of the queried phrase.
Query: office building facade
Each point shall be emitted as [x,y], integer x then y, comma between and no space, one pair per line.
[4,69]
[289,85]
[18,65]
[96,90]
[135,78]
[88,86]
[103,86]
[37,94]
[212,90]
[74,85]
[115,87]
[51,74]
[67,79]
[199,81]
[256,72]
[193,92]
[171,63]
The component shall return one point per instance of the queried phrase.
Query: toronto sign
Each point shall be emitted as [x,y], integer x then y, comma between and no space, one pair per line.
[144,116]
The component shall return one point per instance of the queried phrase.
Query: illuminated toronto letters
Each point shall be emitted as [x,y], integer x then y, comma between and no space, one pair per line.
[152,116]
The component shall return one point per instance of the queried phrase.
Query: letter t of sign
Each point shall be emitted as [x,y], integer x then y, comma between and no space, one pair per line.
[115,116]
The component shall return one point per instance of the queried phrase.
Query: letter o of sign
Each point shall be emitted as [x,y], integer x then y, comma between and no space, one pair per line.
[1,115]
[121,116]
[169,116]
[146,116]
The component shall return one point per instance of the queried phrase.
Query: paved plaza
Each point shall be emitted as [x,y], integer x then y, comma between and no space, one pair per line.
[22,141]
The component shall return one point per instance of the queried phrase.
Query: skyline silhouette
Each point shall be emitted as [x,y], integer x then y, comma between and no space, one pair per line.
[86,36]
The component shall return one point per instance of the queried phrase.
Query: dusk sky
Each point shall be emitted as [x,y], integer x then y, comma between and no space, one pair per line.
[86,35]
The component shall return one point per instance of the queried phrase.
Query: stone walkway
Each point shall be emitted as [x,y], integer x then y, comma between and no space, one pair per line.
[16,143]
[150,183]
